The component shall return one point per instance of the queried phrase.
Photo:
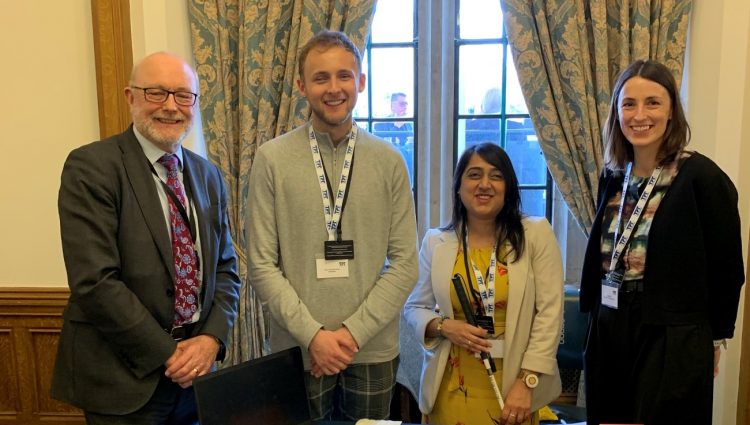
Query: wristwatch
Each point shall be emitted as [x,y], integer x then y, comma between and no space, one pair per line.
[530,379]
[222,348]
[440,326]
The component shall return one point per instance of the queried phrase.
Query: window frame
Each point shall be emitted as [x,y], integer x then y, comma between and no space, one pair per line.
[367,52]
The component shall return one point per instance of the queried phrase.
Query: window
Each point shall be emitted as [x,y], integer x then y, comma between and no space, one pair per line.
[386,108]
[489,105]
[487,101]
[452,62]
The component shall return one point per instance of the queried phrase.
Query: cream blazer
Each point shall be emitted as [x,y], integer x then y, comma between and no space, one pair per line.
[534,315]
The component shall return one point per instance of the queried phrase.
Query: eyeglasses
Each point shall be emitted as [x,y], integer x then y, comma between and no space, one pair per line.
[156,95]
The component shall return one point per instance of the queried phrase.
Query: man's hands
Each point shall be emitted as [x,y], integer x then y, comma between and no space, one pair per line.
[192,358]
[332,351]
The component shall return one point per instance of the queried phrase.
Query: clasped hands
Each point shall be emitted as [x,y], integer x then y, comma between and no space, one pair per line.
[331,351]
[192,358]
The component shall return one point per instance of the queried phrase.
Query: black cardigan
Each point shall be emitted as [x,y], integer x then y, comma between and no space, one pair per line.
[694,268]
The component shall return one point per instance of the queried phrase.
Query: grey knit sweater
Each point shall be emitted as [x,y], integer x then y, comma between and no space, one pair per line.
[286,230]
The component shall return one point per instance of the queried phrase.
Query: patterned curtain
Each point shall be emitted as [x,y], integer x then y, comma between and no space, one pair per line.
[567,54]
[246,57]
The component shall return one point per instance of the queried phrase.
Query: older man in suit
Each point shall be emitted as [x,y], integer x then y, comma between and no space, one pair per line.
[149,259]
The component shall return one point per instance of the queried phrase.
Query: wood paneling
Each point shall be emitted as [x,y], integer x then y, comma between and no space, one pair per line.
[9,401]
[30,323]
[743,395]
[114,60]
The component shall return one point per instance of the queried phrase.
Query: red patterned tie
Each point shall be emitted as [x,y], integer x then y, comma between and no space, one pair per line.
[183,249]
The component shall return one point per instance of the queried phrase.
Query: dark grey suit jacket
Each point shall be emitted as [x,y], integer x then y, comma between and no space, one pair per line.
[118,258]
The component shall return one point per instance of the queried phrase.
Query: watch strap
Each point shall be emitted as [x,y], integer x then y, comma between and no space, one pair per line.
[529,378]
[440,326]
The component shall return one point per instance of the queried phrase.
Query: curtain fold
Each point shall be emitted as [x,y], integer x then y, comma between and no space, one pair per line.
[567,54]
[246,58]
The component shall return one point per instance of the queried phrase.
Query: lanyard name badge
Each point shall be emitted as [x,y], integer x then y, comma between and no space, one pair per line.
[613,279]
[337,251]
[486,289]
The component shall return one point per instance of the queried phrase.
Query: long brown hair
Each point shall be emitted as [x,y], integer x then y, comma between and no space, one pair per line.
[508,224]
[617,149]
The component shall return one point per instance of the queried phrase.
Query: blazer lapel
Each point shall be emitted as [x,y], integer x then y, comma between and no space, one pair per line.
[518,272]
[443,260]
[142,183]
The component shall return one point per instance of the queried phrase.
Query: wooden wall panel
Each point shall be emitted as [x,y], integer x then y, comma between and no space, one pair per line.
[9,397]
[743,396]
[30,323]
[43,348]
[114,60]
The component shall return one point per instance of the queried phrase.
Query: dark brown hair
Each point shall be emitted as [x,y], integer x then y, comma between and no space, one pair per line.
[617,149]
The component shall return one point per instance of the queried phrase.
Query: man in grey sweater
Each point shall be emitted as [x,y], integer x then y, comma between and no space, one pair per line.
[332,240]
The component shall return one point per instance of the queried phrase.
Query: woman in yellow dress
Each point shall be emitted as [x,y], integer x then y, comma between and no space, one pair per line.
[511,269]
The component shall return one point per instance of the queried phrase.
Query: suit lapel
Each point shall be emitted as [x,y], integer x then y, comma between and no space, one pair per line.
[144,189]
[444,258]
[518,272]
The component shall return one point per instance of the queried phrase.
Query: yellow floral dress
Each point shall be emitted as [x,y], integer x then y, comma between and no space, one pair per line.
[465,396]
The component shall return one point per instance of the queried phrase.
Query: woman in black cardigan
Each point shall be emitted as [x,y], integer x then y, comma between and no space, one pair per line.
[662,298]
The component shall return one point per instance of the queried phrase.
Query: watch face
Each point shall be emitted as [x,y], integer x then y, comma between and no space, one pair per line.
[531,380]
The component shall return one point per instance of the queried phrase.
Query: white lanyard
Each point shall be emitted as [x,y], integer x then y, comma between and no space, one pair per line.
[623,241]
[486,291]
[333,218]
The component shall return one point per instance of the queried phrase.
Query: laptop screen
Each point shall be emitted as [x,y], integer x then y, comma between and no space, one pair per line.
[268,390]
